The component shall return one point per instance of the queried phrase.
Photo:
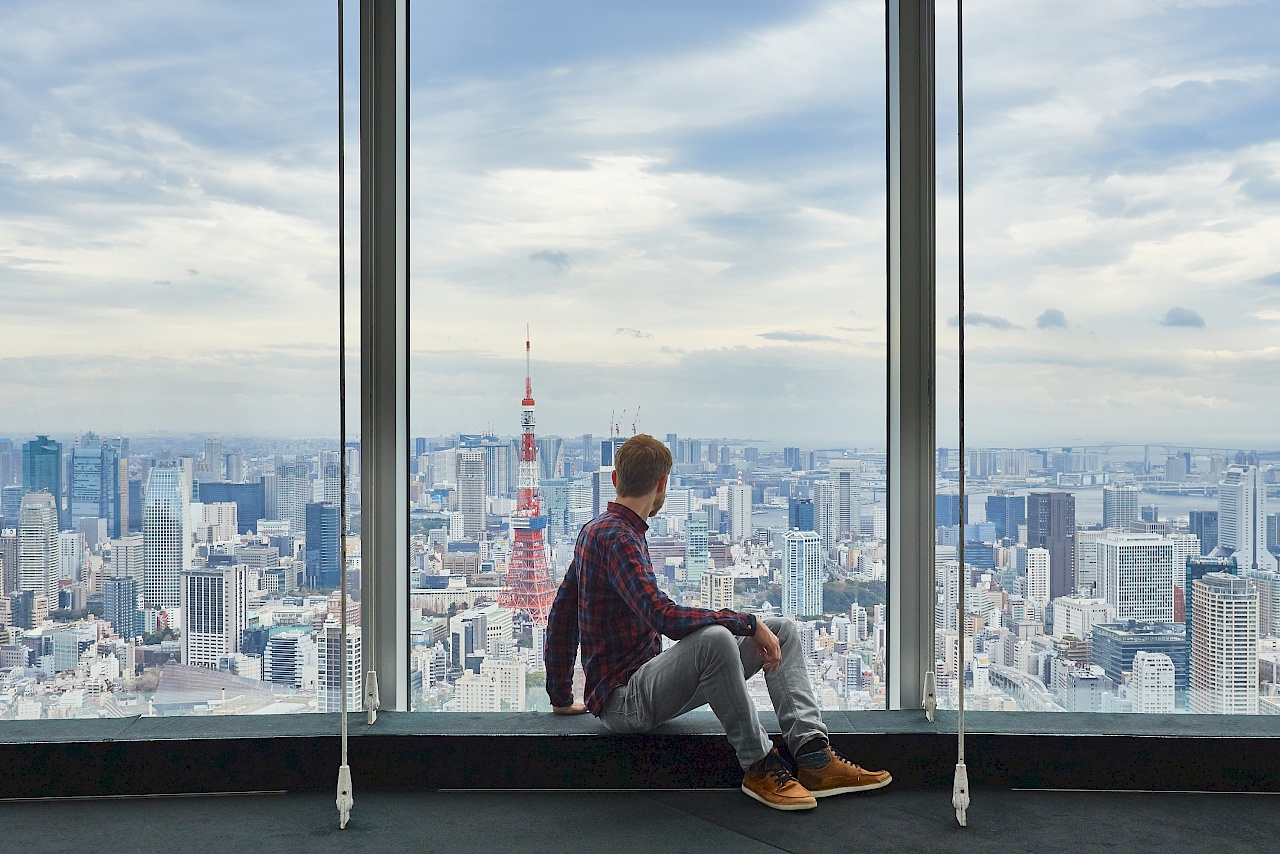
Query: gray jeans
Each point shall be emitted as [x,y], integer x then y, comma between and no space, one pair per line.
[713,666]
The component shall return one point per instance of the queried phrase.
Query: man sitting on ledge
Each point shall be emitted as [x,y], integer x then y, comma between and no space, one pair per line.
[610,605]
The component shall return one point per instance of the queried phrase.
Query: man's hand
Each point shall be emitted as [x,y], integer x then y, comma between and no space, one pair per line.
[573,709]
[770,650]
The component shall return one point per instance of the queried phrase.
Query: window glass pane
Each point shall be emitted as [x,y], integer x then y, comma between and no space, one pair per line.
[684,205]
[168,359]
[1121,168]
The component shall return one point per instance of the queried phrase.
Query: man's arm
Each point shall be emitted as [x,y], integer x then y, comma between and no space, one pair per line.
[632,577]
[562,641]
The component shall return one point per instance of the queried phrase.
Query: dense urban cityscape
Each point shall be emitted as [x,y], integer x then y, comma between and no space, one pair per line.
[200,575]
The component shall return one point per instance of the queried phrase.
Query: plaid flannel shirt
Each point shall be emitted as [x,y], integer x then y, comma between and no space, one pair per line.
[610,605]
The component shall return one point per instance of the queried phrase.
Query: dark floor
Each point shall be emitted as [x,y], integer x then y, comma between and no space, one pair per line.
[915,820]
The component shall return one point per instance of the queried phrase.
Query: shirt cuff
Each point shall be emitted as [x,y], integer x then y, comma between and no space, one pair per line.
[749,620]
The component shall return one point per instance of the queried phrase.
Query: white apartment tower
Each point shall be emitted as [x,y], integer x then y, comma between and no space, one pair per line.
[739,511]
[215,613]
[801,574]
[1136,575]
[329,667]
[1224,645]
[38,548]
[1119,506]
[1151,690]
[1242,519]
[167,545]
[1038,580]
[716,588]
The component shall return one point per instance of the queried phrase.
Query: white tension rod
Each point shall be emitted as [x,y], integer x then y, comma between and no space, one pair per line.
[345,801]
[960,787]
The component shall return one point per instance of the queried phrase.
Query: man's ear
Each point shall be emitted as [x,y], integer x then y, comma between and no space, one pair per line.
[613,475]
[662,484]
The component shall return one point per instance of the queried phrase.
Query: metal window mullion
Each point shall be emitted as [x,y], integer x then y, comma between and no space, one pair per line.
[384,448]
[911,330]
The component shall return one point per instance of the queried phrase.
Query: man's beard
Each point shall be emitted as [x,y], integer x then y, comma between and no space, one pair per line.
[657,504]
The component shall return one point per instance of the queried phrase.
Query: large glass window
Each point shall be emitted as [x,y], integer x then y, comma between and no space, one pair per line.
[682,206]
[168,359]
[1122,162]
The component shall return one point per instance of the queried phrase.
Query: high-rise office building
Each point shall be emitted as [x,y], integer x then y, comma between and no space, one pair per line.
[96,485]
[128,559]
[323,560]
[1151,686]
[213,457]
[38,551]
[215,613]
[1224,645]
[1136,575]
[293,494]
[329,667]
[800,514]
[1114,646]
[1204,524]
[608,448]
[739,511]
[331,477]
[791,459]
[120,606]
[10,557]
[1007,513]
[696,546]
[1119,505]
[550,457]
[1242,519]
[42,471]
[166,540]
[554,492]
[10,504]
[801,574]
[471,490]
[946,508]
[249,498]
[846,486]
[72,555]
[287,656]
[1051,524]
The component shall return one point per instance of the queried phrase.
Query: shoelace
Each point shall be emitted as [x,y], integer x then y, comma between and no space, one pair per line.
[779,771]
[845,759]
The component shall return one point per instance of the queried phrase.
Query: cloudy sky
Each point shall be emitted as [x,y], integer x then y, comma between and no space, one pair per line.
[683,200]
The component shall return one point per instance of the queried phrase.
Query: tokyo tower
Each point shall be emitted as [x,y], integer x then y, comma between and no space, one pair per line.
[529,586]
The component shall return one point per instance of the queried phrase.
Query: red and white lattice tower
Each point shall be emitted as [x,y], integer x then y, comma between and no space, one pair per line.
[529,586]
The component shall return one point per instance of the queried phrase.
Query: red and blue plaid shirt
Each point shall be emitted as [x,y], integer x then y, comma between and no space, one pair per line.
[610,605]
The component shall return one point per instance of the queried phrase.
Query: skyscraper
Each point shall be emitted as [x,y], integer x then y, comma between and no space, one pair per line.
[10,557]
[329,667]
[1007,512]
[120,606]
[323,559]
[1051,524]
[167,546]
[215,613]
[1224,645]
[38,551]
[1038,579]
[739,511]
[293,494]
[1152,683]
[471,495]
[1242,519]
[128,559]
[213,456]
[1136,575]
[1204,524]
[801,574]
[95,484]
[1119,505]
[42,471]
[846,484]
[249,498]
[800,514]
[697,558]
[331,477]
[791,459]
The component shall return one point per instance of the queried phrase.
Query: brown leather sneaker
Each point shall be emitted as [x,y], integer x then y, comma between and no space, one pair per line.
[771,783]
[841,776]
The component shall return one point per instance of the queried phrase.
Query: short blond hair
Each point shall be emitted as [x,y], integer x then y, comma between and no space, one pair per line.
[640,463]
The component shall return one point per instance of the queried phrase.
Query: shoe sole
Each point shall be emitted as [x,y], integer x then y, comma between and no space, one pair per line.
[787,807]
[844,790]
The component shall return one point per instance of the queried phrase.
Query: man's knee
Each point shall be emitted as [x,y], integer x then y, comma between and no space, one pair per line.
[717,640]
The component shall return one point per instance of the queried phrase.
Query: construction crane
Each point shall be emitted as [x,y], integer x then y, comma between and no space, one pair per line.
[635,420]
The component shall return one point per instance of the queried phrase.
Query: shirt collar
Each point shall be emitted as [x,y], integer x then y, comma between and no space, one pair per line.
[626,514]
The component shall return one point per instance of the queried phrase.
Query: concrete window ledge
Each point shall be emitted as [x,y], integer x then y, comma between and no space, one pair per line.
[139,756]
